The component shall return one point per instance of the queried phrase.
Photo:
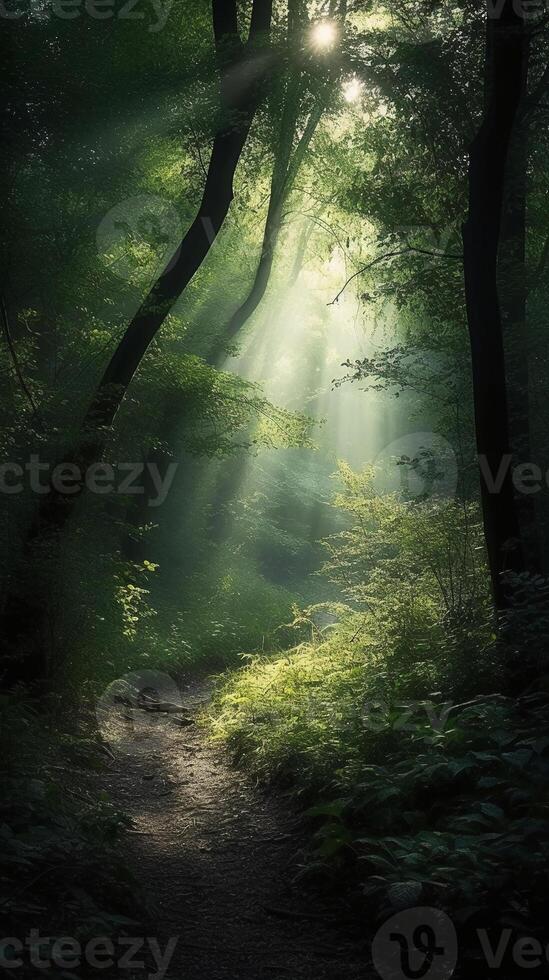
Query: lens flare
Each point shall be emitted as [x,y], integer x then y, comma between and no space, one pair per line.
[352,89]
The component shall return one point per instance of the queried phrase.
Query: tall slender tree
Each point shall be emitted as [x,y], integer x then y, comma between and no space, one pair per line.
[514,293]
[289,157]
[488,159]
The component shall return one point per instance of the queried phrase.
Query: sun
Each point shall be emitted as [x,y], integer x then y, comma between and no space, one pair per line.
[324,34]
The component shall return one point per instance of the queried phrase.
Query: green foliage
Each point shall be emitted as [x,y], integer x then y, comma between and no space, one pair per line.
[339,701]
[416,616]
[425,553]
[421,782]
[316,709]
[402,786]
[464,811]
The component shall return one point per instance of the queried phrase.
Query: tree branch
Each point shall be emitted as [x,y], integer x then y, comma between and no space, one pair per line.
[388,255]
[542,262]
[535,95]
[15,359]
[198,150]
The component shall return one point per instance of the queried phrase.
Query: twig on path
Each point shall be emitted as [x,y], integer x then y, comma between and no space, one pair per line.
[209,948]
[279,968]
[29,884]
[275,840]
[289,914]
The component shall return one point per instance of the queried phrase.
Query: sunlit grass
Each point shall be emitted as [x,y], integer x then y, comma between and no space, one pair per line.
[303,705]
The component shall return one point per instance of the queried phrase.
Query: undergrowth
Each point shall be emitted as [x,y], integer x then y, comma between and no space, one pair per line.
[415,791]
[60,868]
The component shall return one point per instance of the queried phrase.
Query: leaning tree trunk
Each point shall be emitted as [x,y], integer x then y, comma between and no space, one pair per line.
[488,157]
[287,165]
[282,184]
[273,222]
[243,69]
[242,74]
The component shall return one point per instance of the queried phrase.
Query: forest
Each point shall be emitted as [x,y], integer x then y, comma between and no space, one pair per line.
[274,489]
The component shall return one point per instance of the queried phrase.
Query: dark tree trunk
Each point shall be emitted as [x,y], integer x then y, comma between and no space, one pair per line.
[241,88]
[481,239]
[514,293]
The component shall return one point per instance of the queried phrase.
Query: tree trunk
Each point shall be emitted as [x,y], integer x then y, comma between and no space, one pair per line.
[278,194]
[514,293]
[285,171]
[281,187]
[488,157]
[240,97]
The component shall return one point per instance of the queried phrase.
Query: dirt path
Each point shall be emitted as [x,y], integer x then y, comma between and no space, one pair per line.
[213,856]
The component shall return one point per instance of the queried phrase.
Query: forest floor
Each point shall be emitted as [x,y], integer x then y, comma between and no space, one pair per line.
[215,857]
